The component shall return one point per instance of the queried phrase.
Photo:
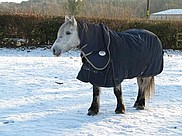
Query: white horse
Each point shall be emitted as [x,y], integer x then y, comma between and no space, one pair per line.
[75,34]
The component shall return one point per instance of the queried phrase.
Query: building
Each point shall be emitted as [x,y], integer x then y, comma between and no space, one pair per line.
[171,14]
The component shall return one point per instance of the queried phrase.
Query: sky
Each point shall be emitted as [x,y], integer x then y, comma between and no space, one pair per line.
[17,1]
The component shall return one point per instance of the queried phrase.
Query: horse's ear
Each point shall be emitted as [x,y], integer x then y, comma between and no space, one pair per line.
[67,18]
[73,20]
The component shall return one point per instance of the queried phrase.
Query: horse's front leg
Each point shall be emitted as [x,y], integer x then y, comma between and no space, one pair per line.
[120,104]
[94,109]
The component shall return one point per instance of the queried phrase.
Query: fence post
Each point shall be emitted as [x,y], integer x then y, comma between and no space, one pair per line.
[148,9]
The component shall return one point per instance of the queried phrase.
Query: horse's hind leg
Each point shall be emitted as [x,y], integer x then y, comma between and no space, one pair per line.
[140,102]
[94,109]
[145,90]
[120,105]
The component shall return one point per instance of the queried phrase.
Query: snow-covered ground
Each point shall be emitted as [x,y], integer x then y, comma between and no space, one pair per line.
[40,96]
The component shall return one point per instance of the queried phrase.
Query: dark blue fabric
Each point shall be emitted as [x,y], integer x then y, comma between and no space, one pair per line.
[93,40]
[128,54]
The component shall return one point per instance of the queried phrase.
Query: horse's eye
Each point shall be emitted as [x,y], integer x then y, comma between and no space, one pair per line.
[68,32]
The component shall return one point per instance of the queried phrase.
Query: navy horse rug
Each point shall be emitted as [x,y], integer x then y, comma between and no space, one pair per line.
[109,57]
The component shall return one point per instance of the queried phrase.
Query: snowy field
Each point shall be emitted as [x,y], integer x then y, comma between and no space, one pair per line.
[40,96]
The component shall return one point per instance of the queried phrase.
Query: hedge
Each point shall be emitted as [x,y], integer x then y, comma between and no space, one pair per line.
[42,30]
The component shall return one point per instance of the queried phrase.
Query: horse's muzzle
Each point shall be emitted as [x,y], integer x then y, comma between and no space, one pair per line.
[56,53]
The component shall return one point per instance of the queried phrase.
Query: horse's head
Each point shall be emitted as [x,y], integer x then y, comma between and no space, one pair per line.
[67,37]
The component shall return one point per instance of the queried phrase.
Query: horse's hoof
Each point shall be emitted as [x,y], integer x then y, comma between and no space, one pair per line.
[91,113]
[140,107]
[135,105]
[120,111]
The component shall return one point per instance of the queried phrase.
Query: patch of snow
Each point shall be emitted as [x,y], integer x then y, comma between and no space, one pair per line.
[40,96]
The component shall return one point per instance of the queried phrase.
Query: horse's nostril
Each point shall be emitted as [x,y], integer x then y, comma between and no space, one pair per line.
[56,52]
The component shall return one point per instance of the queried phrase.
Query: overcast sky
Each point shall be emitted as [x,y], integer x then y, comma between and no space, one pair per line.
[17,1]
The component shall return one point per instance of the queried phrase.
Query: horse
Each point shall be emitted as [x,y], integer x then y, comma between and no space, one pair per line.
[109,57]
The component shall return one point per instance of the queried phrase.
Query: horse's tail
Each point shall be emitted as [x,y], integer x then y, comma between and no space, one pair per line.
[150,88]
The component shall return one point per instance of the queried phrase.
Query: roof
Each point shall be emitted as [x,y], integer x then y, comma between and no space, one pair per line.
[170,12]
